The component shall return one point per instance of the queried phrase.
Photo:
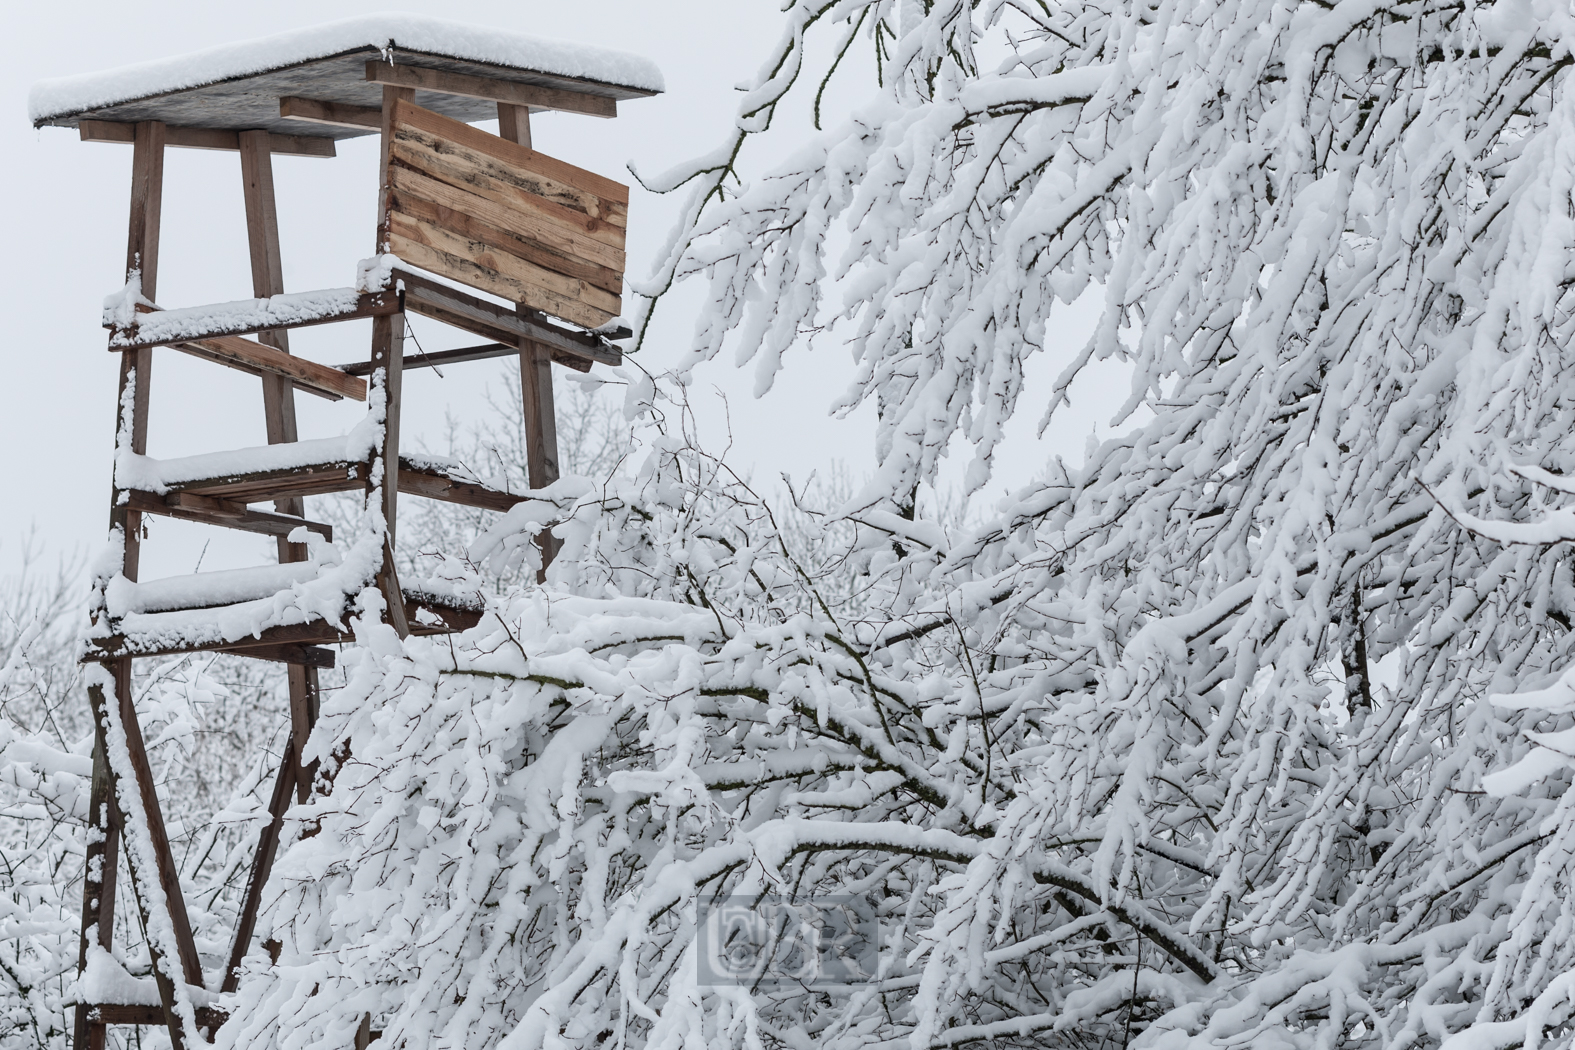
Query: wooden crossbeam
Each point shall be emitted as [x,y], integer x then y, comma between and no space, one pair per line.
[256,359]
[262,864]
[166,872]
[428,298]
[208,510]
[219,499]
[294,655]
[130,1013]
[439,358]
[436,486]
[367,304]
[318,632]
[337,114]
[255,487]
[493,90]
[207,138]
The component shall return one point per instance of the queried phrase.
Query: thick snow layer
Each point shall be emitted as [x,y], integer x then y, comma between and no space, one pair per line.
[104,980]
[194,322]
[386,31]
[205,588]
[197,322]
[133,471]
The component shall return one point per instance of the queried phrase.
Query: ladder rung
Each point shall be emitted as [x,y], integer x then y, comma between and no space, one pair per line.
[305,655]
[453,614]
[136,1013]
[244,316]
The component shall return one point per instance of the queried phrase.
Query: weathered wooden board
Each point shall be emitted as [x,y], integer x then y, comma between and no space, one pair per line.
[508,220]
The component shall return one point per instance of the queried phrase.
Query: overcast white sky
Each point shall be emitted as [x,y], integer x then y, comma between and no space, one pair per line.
[66,248]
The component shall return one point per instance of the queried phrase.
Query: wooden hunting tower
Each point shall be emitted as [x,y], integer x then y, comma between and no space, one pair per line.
[458,204]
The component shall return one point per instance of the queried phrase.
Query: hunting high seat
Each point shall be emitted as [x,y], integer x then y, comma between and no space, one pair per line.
[456,202]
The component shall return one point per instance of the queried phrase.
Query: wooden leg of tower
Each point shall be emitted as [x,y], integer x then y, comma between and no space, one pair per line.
[303,716]
[262,864]
[388,347]
[147,819]
[100,861]
[136,367]
[387,350]
[514,123]
[262,234]
[541,426]
[541,433]
[136,376]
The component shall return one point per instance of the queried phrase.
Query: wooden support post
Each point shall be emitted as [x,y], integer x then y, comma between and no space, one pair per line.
[303,716]
[167,872]
[514,123]
[131,428]
[100,862]
[541,425]
[136,366]
[262,863]
[262,230]
[262,235]
[123,728]
[388,355]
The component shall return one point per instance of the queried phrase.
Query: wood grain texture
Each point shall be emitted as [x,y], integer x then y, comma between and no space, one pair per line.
[488,280]
[513,154]
[494,89]
[533,227]
[503,218]
[488,255]
[413,199]
[515,185]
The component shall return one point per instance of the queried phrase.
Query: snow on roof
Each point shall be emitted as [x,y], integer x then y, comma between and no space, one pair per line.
[389,33]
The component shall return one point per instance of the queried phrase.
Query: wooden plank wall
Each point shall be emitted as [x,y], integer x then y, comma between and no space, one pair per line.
[505,219]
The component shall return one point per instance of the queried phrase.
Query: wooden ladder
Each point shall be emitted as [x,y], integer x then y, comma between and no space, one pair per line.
[119,750]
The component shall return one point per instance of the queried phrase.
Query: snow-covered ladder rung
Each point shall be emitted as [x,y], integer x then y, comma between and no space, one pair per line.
[149,326]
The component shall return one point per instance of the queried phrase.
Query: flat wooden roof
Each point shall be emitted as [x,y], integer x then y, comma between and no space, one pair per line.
[239,86]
